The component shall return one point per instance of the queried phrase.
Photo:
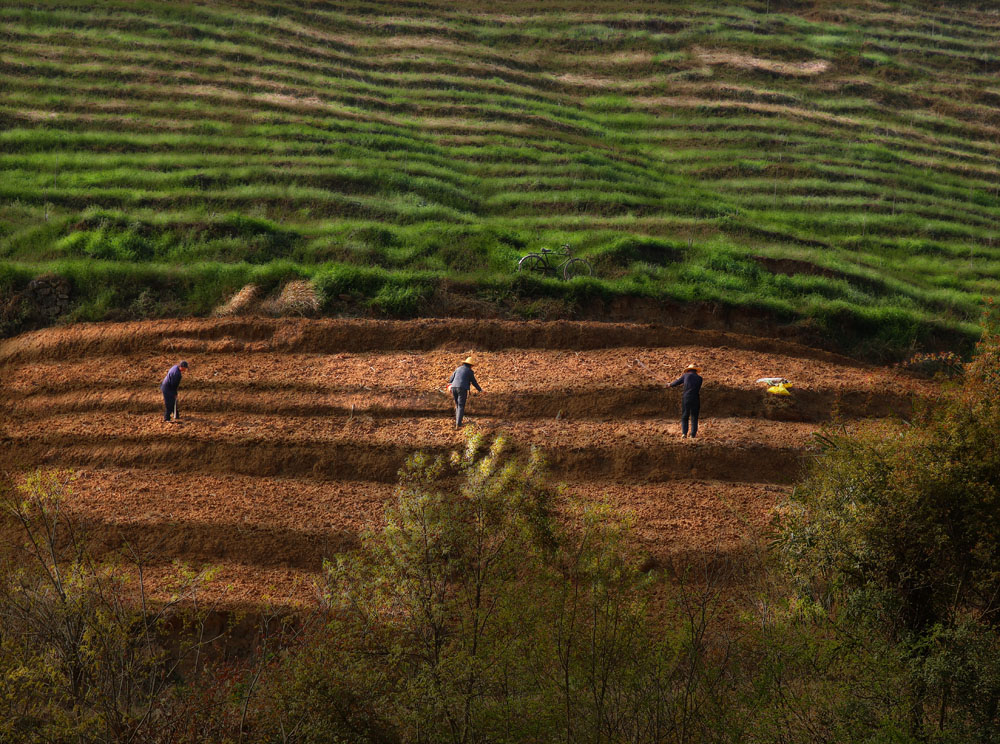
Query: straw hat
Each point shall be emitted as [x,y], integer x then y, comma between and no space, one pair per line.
[693,367]
[468,360]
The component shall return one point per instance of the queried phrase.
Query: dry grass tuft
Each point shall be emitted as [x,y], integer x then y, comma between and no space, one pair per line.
[746,62]
[240,303]
[589,81]
[294,102]
[298,297]
[423,42]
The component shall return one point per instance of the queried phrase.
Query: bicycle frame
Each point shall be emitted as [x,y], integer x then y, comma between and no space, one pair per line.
[543,262]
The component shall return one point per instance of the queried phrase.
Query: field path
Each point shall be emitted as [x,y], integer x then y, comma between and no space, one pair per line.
[292,432]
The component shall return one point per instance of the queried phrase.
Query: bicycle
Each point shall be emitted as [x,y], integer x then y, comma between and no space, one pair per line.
[544,262]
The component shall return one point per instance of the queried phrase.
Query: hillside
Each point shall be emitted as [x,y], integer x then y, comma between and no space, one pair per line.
[828,165]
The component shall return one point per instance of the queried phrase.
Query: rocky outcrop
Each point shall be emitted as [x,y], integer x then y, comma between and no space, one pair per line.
[47,297]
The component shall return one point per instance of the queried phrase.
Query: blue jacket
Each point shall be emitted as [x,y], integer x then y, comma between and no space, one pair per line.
[172,381]
[463,377]
[692,385]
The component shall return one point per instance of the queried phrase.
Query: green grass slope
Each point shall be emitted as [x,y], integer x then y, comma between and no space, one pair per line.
[834,165]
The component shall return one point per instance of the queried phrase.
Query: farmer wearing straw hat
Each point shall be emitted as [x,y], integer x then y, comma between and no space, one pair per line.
[169,388]
[459,382]
[690,400]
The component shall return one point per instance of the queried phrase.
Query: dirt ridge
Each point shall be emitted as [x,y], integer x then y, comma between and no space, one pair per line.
[591,403]
[359,335]
[381,463]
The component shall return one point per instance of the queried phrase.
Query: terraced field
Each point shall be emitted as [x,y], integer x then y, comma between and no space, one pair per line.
[292,432]
[836,164]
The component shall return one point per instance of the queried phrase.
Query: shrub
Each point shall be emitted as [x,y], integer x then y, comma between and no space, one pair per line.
[945,364]
[401,300]
[82,656]
[345,279]
[475,614]
[895,537]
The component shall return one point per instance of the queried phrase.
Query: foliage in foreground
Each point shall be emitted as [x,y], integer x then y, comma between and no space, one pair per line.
[894,541]
[83,656]
[474,615]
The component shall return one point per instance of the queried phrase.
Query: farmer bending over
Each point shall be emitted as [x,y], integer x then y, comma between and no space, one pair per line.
[690,400]
[459,383]
[169,389]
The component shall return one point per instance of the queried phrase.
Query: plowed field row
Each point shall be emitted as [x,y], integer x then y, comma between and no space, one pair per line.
[288,523]
[292,433]
[649,401]
[636,451]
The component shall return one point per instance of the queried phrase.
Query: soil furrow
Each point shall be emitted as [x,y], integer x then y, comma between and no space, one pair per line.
[500,370]
[381,462]
[391,403]
[687,516]
[336,336]
[296,523]
[679,516]
[411,433]
[265,546]
[125,497]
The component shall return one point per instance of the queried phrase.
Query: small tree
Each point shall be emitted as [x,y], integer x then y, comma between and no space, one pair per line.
[446,582]
[81,652]
[483,613]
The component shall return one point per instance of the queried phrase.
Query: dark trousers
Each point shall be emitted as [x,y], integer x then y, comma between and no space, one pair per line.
[689,412]
[169,404]
[460,397]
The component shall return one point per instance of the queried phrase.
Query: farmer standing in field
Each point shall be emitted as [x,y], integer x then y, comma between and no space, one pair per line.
[459,382]
[690,399]
[169,388]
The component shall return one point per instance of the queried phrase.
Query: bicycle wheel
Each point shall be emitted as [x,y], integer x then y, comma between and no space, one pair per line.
[576,267]
[533,262]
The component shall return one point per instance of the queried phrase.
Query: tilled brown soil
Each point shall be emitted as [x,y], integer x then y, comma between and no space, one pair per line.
[524,383]
[293,432]
[375,449]
[291,523]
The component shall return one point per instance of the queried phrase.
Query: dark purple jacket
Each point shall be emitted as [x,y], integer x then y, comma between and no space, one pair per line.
[692,385]
[172,381]
[463,377]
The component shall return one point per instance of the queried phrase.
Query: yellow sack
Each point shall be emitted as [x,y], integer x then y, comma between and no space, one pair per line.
[780,389]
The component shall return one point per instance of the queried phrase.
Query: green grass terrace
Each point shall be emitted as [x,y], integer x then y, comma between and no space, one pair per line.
[834,167]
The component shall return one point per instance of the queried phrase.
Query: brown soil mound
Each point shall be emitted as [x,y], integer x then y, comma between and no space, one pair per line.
[293,431]
[330,336]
